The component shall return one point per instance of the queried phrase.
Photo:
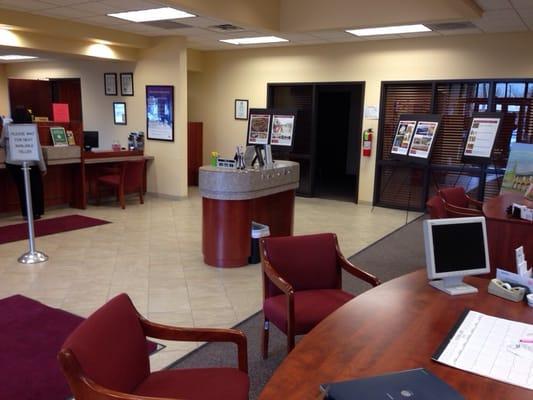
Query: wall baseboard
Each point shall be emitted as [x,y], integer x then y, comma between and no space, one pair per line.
[165,196]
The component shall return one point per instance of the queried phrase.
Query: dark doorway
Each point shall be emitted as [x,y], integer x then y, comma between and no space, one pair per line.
[337,147]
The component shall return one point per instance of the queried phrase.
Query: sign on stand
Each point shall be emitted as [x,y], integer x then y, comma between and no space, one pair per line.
[23,142]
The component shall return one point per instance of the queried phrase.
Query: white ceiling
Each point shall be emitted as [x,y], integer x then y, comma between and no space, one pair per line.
[498,16]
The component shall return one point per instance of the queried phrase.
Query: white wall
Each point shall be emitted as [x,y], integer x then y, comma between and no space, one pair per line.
[163,64]
[244,74]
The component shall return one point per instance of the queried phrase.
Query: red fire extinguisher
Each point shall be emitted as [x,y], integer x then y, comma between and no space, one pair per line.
[367,142]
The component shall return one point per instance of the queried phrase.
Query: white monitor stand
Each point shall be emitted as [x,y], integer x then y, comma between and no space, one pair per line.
[453,285]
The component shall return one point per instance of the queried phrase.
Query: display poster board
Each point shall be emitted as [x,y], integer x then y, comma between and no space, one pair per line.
[23,142]
[519,172]
[282,131]
[424,138]
[59,136]
[160,113]
[404,134]
[484,129]
[258,127]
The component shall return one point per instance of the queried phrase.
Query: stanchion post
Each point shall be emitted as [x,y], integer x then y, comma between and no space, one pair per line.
[33,256]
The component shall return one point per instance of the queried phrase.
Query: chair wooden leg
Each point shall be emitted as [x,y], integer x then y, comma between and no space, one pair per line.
[264,338]
[122,199]
[141,198]
[290,342]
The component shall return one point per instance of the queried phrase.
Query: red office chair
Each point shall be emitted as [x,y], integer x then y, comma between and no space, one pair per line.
[458,204]
[436,208]
[105,358]
[127,179]
[302,283]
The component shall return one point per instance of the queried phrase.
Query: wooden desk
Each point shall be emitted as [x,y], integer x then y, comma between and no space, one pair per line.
[395,326]
[505,234]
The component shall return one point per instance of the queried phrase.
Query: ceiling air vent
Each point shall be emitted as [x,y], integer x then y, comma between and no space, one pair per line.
[451,26]
[226,28]
[166,24]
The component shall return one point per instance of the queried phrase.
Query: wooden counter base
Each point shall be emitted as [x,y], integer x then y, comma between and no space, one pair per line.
[227,225]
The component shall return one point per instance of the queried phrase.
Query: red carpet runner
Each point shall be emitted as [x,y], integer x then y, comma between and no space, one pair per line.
[12,233]
[31,335]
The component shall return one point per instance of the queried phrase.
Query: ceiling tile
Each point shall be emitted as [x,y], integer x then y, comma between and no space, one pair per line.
[494,4]
[130,5]
[328,35]
[522,4]
[461,31]
[500,21]
[103,20]
[420,34]
[27,5]
[202,22]
[94,8]
[62,12]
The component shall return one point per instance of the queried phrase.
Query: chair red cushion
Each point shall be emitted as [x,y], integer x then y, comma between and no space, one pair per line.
[436,208]
[455,196]
[111,347]
[196,384]
[307,262]
[113,180]
[310,307]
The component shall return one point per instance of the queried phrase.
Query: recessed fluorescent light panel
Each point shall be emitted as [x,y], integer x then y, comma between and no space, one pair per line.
[389,30]
[12,57]
[255,40]
[154,14]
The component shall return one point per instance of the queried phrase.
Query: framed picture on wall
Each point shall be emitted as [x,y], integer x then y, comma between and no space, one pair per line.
[126,84]
[160,113]
[110,84]
[241,109]
[119,113]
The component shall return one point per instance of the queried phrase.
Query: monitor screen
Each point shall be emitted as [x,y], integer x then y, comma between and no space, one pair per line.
[90,139]
[456,247]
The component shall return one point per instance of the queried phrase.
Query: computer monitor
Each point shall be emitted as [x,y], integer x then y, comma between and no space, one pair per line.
[455,247]
[90,140]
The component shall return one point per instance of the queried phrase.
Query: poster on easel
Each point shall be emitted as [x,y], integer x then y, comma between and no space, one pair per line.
[403,136]
[519,172]
[423,139]
[484,129]
[258,128]
[282,130]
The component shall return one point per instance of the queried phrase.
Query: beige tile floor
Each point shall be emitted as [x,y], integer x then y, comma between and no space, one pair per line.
[153,252]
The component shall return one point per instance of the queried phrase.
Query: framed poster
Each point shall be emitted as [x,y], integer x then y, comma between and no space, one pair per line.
[59,136]
[424,138]
[281,133]
[126,84]
[404,134]
[119,113]
[258,127]
[160,113]
[110,84]
[241,109]
[519,172]
[481,136]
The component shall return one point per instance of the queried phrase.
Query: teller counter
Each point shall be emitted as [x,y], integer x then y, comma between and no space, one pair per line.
[232,199]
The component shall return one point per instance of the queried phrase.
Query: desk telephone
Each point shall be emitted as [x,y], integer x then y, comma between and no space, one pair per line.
[503,289]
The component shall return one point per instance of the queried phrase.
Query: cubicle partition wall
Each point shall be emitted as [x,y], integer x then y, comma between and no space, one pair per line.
[404,186]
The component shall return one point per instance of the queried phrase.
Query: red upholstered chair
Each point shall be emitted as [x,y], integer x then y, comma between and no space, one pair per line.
[436,208]
[127,179]
[106,358]
[302,283]
[458,204]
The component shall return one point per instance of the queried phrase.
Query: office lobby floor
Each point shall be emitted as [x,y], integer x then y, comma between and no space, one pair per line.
[153,253]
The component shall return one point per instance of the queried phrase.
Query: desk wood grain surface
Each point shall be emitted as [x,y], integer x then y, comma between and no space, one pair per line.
[393,327]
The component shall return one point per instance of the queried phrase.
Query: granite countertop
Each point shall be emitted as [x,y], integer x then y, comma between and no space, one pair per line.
[233,184]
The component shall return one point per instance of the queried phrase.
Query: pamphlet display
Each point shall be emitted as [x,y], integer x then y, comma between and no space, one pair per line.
[423,139]
[59,136]
[282,130]
[402,139]
[258,128]
[481,137]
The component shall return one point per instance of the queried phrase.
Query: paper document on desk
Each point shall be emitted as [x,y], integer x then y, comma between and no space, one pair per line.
[496,348]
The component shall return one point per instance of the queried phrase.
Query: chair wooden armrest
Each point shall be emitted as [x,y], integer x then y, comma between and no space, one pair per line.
[476,203]
[166,332]
[456,211]
[356,271]
[90,389]
[276,278]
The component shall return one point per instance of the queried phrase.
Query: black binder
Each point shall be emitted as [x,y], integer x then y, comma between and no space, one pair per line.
[414,384]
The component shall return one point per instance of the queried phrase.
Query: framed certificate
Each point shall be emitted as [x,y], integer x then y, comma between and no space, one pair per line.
[110,84]
[126,84]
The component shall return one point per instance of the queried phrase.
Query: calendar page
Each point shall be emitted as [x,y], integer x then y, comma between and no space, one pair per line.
[493,347]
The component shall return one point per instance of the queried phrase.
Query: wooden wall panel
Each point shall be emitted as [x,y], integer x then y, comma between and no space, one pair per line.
[194,151]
